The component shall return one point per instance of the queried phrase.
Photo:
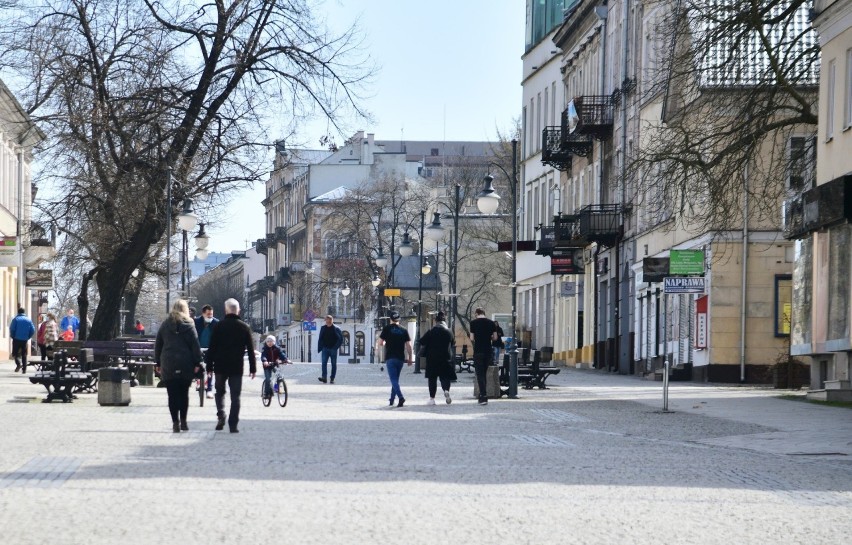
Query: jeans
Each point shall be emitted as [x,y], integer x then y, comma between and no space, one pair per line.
[22,347]
[481,361]
[178,391]
[235,384]
[267,375]
[496,350]
[329,353]
[394,369]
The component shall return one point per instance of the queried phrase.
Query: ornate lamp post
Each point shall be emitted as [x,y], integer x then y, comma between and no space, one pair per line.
[488,201]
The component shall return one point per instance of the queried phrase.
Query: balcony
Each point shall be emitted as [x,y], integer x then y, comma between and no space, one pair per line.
[551,152]
[564,234]
[601,223]
[590,115]
[261,247]
[270,283]
[282,277]
[270,239]
[281,234]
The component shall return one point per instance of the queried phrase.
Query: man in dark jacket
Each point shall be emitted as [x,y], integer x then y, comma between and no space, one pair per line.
[231,339]
[328,343]
[204,328]
[482,333]
[21,329]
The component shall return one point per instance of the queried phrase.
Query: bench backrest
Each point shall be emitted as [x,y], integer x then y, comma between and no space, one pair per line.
[72,347]
[546,354]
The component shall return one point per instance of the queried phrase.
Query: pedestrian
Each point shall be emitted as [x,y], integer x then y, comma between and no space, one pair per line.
[68,334]
[328,343]
[229,341]
[177,358]
[51,333]
[140,329]
[397,343]
[482,332]
[497,345]
[42,347]
[21,329]
[70,320]
[438,346]
[204,327]
[270,356]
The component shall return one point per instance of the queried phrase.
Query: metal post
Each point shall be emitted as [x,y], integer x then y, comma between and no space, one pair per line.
[455,269]
[183,263]
[665,352]
[513,360]
[168,239]
[419,298]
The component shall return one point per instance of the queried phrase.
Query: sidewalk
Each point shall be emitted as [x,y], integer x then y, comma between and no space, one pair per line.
[803,428]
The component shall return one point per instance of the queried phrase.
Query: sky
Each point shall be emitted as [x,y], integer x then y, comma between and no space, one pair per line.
[448,70]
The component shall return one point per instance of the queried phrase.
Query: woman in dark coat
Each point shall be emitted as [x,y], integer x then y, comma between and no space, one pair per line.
[439,348]
[178,358]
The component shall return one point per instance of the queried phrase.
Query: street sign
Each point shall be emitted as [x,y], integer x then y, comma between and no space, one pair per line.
[683,284]
[309,326]
[39,279]
[686,262]
[309,315]
[654,269]
[393,292]
[566,261]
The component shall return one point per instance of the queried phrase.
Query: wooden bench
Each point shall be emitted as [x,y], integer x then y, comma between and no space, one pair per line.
[464,364]
[60,381]
[136,354]
[530,374]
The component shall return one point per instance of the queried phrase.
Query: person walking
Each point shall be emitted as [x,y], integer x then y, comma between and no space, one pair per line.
[328,343]
[21,329]
[177,358]
[482,332]
[140,328]
[229,341]
[497,345]
[397,343]
[204,327]
[42,348]
[69,320]
[438,346]
[51,332]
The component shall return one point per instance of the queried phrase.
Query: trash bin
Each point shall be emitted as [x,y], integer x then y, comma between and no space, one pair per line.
[113,386]
[492,383]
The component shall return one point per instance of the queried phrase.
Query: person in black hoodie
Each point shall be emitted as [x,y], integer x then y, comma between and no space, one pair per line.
[178,358]
[229,341]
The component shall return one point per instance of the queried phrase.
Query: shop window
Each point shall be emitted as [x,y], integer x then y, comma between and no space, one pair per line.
[783,304]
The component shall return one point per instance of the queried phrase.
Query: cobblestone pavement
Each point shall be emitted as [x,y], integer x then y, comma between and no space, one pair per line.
[591,460]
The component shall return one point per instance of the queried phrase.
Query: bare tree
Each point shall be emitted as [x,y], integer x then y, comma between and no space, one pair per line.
[740,77]
[141,100]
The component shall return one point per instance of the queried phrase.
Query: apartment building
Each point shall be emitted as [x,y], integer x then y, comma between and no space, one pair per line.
[615,216]
[24,245]
[818,218]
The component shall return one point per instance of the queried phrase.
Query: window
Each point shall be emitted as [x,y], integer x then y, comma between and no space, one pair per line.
[801,163]
[829,115]
[847,93]
[344,348]
[783,304]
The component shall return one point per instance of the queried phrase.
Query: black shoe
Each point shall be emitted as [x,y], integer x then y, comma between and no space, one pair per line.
[175,427]
[322,379]
[17,368]
[23,370]
[391,402]
[401,402]
[220,424]
[483,401]
[235,430]
[331,381]
[183,426]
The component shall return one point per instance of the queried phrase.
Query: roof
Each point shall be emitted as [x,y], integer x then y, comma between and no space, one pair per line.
[335,194]
[406,274]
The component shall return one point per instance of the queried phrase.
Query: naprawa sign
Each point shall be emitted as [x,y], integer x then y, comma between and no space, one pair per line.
[683,284]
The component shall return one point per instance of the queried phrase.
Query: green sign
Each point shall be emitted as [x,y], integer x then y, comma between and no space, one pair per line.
[686,262]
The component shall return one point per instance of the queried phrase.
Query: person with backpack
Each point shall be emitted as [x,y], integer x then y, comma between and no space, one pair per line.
[438,346]
[178,360]
[21,329]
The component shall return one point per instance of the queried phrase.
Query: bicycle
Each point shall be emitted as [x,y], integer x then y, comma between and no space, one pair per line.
[275,385]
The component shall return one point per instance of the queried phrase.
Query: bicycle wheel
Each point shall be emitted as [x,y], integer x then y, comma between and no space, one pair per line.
[266,392]
[282,392]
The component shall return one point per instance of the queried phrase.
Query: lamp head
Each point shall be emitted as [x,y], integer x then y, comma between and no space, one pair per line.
[435,232]
[405,249]
[488,200]
[186,219]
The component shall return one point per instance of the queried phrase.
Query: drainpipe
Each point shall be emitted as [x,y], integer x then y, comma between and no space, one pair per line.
[744,278]
[621,294]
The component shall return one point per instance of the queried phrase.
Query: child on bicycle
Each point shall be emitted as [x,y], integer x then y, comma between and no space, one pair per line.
[270,356]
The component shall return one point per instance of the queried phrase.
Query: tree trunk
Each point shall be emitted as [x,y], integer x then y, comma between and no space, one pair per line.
[83,303]
[114,275]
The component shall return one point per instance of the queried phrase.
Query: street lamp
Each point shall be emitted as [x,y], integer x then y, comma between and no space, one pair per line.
[488,201]
[187,221]
[406,249]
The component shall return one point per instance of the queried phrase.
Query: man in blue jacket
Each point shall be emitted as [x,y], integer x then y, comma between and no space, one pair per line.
[204,327]
[328,343]
[21,330]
